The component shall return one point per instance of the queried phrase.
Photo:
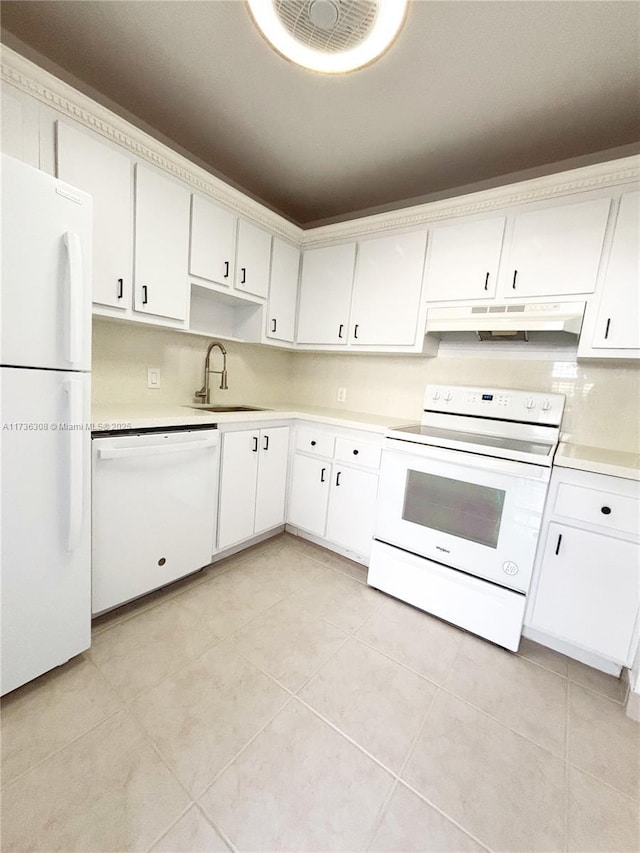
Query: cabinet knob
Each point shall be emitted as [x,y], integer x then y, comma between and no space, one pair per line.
[605,510]
[313,443]
[355,452]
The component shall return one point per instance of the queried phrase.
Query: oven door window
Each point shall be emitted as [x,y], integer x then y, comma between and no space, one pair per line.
[461,509]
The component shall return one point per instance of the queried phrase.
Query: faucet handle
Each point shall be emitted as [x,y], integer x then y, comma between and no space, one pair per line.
[201,394]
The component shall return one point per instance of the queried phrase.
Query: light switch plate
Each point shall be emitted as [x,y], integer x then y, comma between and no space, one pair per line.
[153,377]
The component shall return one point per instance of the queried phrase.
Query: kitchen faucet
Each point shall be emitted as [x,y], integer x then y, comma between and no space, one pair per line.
[204,393]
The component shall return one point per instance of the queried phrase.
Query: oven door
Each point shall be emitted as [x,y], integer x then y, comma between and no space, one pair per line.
[471,512]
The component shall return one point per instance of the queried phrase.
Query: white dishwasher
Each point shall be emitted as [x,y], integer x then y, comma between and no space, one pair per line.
[154,507]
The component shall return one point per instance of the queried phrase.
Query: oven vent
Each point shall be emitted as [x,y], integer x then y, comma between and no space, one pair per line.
[507,322]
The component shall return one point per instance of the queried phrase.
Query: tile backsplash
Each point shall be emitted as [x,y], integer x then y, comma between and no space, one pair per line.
[602,396]
[122,352]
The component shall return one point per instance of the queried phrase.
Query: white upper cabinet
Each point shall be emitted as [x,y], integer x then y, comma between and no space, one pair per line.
[387,290]
[107,175]
[283,292]
[212,247]
[325,294]
[618,321]
[463,260]
[161,245]
[556,251]
[253,259]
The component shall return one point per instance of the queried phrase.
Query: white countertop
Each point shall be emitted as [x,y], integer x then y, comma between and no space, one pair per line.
[139,416]
[598,460]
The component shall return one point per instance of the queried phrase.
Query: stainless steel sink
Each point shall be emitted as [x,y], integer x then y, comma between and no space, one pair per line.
[230,409]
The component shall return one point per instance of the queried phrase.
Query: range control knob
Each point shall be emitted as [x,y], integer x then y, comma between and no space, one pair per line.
[529,402]
[546,405]
[448,396]
[436,395]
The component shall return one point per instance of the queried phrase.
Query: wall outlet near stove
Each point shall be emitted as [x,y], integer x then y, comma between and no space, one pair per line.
[153,377]
[342,395]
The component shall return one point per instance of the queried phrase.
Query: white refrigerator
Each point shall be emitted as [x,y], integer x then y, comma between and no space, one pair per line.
[45,437]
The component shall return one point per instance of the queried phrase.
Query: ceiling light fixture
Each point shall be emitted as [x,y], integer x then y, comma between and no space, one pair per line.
[331,36]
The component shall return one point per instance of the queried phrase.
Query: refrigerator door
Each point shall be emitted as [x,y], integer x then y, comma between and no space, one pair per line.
[45,518]
[46,271]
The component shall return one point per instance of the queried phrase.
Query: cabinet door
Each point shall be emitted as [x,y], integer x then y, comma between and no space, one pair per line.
[463,260]
[238,481]
[107,175]
[588,591]
[161,245]
[272,478]
[213,232]
[618,324]
[254,259]
[309,494]
[283,291]
[325,294]
[352,509]
[387,290]
[556,252]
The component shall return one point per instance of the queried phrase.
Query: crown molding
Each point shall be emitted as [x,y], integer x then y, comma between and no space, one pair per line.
[33,80]
[600,176]
[70,103]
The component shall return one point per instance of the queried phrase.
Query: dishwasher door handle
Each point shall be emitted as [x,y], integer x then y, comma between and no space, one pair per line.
[155,449]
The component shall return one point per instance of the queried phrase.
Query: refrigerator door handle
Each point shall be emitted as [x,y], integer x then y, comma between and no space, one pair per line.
[74,390]
[76,296]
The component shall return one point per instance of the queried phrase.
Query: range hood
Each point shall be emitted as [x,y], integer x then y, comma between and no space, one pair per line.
[506,322]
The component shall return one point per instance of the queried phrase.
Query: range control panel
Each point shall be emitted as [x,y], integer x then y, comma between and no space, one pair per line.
[500,403]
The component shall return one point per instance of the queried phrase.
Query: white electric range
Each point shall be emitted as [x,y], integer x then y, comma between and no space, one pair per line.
[460,504]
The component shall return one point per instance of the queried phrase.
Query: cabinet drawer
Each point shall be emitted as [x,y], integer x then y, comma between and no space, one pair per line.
[359,452]
[315,441]
[606,509]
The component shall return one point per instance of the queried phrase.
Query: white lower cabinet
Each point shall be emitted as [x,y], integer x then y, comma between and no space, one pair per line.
[352,505]
[309,495]
[253,480]
[330,499]
[586,586]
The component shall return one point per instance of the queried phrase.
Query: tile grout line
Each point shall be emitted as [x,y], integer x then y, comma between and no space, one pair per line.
[383,808]
[232,761]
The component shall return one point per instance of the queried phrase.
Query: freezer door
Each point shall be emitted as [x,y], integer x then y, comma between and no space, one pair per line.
[46,271]
[45,509]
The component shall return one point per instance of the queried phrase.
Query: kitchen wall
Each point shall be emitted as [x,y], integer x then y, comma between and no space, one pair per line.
[602,396]
[122,352]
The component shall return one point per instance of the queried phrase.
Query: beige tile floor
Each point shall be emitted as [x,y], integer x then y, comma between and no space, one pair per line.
[276,703]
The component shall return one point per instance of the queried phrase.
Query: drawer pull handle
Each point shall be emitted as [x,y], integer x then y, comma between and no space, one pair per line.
[322,473]
[355,452]
[243,275]
[605,510]
[515,276]
[558,545]
[341,327]
[313,443]
[226,270]
[266,442]
[255,444]
[606,331]
[486,282]
[338,478]
[120,288]
[144,294]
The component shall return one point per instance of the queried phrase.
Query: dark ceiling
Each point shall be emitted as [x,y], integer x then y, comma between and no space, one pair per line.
[471,91]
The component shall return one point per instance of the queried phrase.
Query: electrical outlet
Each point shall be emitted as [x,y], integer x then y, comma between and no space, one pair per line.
[153,377]
[342,395]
